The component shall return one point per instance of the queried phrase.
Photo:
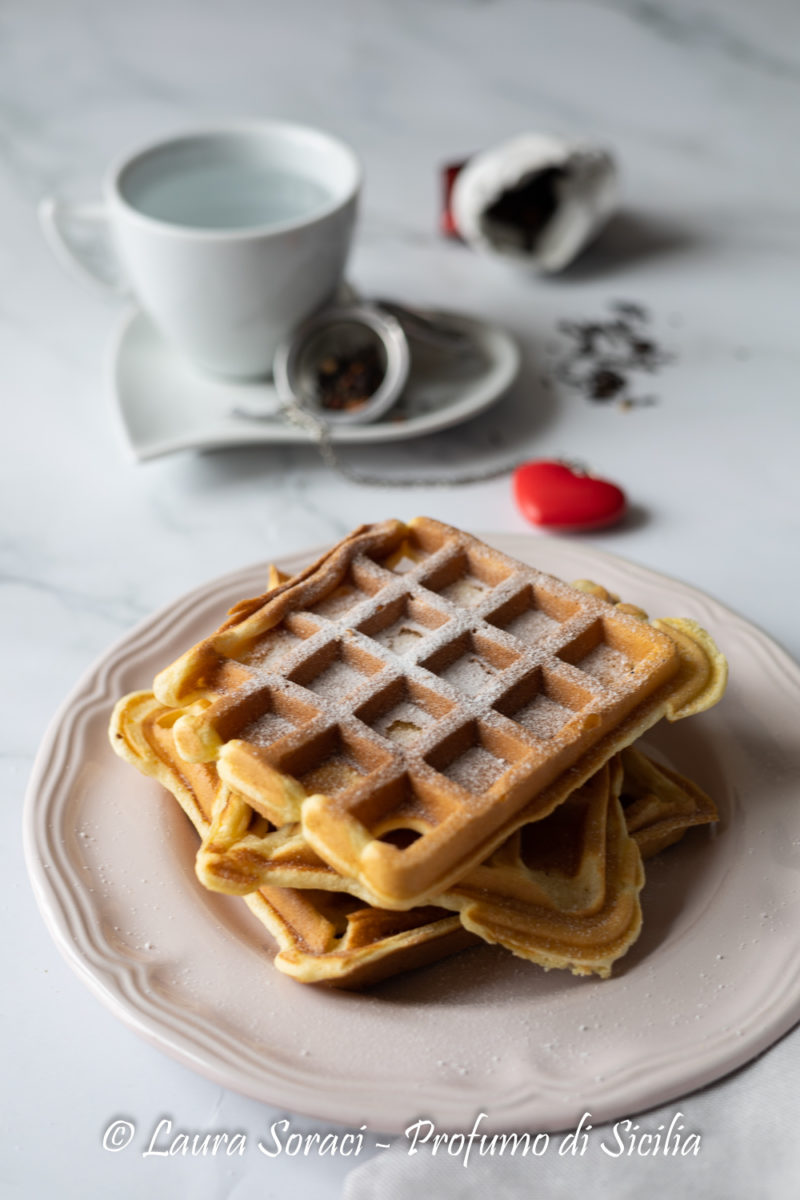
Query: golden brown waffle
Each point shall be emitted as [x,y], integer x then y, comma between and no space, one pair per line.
[561,892]
[415,696]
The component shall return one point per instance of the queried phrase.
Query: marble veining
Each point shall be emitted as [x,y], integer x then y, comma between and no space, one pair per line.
[697,98]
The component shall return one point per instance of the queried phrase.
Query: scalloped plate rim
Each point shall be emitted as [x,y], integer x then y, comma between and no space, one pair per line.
[626,1096]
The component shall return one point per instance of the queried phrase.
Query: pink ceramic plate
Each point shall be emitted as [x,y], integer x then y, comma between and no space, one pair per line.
[713,980]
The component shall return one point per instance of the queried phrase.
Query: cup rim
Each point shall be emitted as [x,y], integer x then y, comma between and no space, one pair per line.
[115,195]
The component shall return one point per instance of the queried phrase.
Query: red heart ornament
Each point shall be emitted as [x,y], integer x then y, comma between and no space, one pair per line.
[549,492]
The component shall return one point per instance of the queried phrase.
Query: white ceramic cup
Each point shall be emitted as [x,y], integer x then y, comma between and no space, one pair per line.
[227,237]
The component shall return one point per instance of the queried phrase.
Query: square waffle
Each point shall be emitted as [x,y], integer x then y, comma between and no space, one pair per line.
[415,695]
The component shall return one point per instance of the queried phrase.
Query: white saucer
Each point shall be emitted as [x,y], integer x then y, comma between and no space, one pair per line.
[166,405]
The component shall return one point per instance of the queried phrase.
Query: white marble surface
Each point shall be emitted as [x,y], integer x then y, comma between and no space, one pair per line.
[698,99]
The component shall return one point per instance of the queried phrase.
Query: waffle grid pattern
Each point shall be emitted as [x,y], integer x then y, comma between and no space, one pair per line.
[417,689]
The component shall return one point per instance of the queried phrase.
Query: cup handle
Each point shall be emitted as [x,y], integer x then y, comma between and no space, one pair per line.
[92,259]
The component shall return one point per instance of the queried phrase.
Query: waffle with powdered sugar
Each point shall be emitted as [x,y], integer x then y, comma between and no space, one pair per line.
[415,696]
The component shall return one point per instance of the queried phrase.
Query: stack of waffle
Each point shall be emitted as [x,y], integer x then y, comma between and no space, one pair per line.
[419,742]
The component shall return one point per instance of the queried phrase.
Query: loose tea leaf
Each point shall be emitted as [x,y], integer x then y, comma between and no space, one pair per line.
[346,382]
[603,358]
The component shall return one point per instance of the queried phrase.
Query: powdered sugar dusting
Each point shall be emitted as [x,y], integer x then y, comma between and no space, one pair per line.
[531,625]
[543,716]
[340,601]
[271,648]
[476,770]
[403,636]
[466,591]
[606,664]
[340,679]
[470,674]
[266,729]
[403,565]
